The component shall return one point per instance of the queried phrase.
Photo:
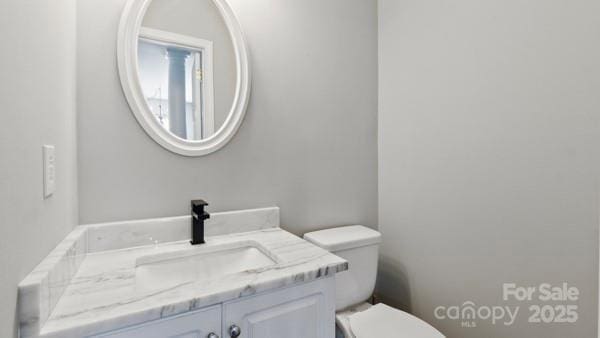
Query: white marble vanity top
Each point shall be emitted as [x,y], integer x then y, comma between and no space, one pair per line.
[96,290]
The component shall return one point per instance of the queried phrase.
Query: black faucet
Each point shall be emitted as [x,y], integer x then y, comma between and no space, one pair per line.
[198,217]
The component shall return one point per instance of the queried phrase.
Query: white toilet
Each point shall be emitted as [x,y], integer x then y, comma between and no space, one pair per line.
[355,317]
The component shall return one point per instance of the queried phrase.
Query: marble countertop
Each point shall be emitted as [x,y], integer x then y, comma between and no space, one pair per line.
[103,294]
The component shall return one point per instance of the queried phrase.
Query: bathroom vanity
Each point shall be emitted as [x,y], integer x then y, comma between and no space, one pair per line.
[144,279]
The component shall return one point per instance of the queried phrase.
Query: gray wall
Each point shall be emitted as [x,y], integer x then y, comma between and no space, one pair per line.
[37,91]
[308,143]
[201,19]
[488,138]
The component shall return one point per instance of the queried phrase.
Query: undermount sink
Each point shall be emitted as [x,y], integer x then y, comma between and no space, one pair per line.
[202,263]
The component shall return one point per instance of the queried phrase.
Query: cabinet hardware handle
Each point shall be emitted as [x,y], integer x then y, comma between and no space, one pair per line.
[234,331]
[212,335]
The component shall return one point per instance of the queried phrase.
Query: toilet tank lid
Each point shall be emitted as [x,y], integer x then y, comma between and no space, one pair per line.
[342,238]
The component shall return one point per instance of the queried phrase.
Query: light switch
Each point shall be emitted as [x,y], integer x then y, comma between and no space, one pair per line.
[49,170]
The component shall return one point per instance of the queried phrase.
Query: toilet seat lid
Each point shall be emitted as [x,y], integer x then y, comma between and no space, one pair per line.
[384,321]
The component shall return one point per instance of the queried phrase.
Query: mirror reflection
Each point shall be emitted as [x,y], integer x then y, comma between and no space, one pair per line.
[186,65]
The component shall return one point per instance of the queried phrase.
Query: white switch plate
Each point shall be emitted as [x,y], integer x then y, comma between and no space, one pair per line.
[49,170]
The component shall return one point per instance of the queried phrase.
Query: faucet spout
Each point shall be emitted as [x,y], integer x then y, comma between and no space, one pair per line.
[198,217]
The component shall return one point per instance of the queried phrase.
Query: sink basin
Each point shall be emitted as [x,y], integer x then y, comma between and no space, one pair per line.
[198,264]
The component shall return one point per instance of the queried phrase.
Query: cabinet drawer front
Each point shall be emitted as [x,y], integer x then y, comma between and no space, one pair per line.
[197,324]
[303,311]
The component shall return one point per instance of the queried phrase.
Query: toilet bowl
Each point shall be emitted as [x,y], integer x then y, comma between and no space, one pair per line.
[355,318]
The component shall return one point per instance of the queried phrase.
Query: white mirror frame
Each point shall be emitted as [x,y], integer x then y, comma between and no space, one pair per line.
[127,59]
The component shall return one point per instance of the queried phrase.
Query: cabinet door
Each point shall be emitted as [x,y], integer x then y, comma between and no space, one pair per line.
[303,311]
[197,324]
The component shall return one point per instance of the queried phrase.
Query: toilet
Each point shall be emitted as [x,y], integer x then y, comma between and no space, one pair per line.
[355,318]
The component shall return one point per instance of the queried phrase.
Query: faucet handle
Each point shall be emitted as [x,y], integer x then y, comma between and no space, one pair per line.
[198,207]
[198,210]
[199,204]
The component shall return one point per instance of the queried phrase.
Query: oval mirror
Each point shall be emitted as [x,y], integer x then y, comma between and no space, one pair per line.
[184,70]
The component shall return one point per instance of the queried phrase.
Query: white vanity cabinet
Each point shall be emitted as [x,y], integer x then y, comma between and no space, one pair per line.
[304,310]
[197,324]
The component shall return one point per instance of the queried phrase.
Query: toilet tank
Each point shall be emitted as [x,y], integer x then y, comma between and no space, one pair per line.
[358,245]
